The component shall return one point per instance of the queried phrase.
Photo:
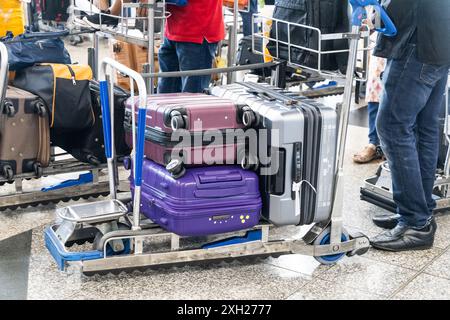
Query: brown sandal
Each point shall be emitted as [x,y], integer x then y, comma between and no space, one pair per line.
[368,154]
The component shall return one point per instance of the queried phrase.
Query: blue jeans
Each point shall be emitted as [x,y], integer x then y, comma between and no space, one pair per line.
[182,56]
[408,127]
[372,107]
[247,18]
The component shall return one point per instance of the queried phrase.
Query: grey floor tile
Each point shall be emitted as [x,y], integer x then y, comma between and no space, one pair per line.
[415,260]
[14,264]
[326,290]
[368,275]
[425,287]
[441,266]
[442,237]
[299,263]
[18,221]
[235,281]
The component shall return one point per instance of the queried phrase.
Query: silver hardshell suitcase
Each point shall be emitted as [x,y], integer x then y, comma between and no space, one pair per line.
[304,150]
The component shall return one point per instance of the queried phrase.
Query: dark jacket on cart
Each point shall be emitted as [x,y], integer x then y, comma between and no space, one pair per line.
[424,22]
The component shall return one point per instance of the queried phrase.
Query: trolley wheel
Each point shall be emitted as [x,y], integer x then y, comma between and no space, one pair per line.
[324,238]
[8,172]
[109,250]
[37,168]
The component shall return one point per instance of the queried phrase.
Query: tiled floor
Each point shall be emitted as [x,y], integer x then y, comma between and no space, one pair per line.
[28,271]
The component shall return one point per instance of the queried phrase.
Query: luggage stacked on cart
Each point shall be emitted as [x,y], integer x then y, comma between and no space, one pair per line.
[133,57]
[191,187]
[24,134]
[72,102]
[297,171]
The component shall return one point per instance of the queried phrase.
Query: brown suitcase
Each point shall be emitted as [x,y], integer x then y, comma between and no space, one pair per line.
[132,56]
[24,134]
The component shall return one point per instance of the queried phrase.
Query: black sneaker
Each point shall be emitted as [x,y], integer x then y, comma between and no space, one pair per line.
[95,21]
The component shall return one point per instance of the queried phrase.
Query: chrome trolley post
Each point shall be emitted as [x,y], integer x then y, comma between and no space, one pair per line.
[358,15]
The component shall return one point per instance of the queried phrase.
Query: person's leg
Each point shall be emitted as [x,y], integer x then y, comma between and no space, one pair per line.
[194,56]
[168,61]
[428,137]
[247,17]
[372,151]
[372,108]
[116,7]
[404,97]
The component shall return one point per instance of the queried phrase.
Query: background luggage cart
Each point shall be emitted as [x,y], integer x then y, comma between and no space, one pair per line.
[323,241]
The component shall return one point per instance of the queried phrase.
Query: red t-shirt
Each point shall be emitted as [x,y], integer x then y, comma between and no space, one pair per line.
[198,20]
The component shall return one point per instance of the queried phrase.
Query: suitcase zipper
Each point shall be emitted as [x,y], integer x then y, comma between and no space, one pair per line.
[72,73]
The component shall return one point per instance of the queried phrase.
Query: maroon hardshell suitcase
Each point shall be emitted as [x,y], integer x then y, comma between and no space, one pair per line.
[189,115]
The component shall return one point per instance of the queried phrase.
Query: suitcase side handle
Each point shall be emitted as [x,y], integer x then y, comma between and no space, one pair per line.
[224,193]
[269,96]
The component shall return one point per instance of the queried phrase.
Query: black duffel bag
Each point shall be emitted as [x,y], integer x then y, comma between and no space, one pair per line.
[65,91]
[330,16]
[88,145]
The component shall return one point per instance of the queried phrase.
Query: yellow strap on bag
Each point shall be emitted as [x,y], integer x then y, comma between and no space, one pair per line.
[11,17]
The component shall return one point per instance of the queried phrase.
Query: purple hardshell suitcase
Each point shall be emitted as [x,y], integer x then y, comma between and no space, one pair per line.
[205,201]
[167,113]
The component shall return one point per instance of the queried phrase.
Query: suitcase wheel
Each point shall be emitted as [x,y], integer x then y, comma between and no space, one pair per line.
[177,121]
[40,109]
[109,249]
[248,117]
[249,162]
[324,238]
[93,160]
[9,109]
[8,172]
[176,168]
[127,163]
[37,168]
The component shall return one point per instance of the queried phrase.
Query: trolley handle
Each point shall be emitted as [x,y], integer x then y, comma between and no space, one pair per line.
[104,96]
[360,13]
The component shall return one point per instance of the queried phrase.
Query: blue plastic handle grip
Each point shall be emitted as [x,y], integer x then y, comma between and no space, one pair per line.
[140,141]
[359,14]
[180,3]
[106,117]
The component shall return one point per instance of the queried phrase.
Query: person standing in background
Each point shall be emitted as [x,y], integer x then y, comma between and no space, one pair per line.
[373,93]
[247,17]
[414,82]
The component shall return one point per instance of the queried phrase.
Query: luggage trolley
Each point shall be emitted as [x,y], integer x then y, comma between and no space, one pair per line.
[121,240]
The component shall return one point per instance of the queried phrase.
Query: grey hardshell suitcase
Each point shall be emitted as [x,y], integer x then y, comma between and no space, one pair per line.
[301,191]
